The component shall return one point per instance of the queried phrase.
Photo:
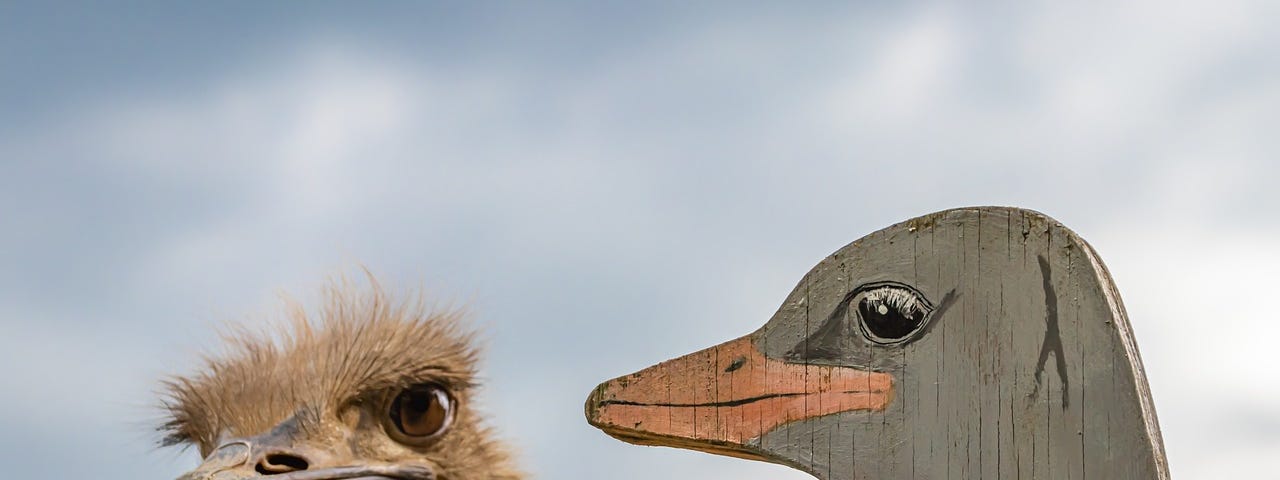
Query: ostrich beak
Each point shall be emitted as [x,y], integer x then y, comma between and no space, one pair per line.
[234,461]
[230,461]
[717,400]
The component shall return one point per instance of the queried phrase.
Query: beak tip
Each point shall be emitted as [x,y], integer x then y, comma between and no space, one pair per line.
[592,407]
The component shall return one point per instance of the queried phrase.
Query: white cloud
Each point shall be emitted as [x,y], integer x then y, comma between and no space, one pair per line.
[906,77]
[1197,300]
[673,193]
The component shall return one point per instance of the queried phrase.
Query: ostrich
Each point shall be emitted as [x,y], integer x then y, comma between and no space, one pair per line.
[369,388]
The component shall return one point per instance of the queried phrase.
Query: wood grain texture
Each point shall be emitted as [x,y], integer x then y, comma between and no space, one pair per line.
[1023,367]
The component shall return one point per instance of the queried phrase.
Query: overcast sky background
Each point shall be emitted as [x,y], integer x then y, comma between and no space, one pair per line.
[610,185]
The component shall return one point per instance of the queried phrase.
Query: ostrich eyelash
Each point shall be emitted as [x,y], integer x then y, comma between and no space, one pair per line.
[900,299]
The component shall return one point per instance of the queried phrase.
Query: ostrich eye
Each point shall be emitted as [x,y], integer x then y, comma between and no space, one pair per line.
[420,413]
[891,313]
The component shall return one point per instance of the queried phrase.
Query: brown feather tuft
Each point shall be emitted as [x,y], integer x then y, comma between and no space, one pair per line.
[361,342]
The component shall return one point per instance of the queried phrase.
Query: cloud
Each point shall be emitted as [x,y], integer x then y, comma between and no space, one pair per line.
[1193,297]
[669,192]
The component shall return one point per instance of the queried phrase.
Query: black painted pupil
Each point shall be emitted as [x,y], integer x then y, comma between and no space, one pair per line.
[887,322]
[420,411]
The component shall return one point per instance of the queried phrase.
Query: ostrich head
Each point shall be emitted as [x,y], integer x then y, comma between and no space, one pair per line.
[365,388]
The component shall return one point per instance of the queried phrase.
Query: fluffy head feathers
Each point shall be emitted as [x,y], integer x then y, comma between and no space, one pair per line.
[332,369]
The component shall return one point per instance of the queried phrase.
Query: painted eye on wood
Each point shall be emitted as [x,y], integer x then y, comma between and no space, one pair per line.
[419,414]
[891,313]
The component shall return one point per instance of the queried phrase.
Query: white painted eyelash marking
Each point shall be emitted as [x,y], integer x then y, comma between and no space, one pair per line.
[900,299]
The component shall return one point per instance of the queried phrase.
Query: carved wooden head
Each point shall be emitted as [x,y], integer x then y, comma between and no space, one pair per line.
[969,343]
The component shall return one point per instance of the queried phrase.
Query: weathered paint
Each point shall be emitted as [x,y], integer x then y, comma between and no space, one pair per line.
[714,395]
[1026,366]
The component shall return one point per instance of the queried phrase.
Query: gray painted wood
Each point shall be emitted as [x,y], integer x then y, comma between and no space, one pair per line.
[1025,368]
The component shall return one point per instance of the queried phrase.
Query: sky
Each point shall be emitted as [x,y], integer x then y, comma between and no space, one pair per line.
[607,185]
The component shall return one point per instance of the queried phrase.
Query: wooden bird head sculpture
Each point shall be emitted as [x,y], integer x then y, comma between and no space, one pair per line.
[367,389]
[970,343]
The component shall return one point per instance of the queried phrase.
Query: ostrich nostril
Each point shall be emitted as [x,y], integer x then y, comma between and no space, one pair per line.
[276,463]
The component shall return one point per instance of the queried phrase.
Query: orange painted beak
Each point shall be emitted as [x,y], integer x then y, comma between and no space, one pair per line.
[717,400]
